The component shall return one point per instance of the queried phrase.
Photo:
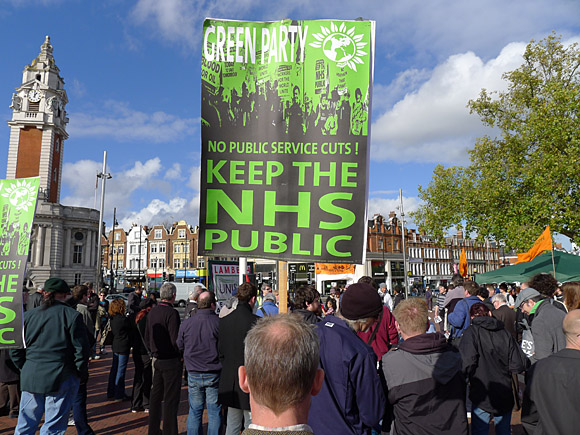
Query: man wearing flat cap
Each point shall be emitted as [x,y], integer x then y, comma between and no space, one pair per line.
[351,400]
[54,361]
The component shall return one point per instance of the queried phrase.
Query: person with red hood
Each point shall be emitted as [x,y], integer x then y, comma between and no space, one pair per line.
[382,334]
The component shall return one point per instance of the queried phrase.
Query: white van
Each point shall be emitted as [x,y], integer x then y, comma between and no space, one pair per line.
[183,290]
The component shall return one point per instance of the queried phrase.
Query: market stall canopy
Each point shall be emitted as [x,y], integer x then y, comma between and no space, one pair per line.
[567,269]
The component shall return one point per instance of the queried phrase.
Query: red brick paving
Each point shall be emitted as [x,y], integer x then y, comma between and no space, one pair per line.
[107,417]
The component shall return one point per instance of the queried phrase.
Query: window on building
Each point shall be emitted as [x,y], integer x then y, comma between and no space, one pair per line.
[120,264]
[78,254]
[133,249]
[121,249]
[380,244]
[161,263]
[176,263]
[153,248]
[177,248]
[162,248]
[181,234]
[201,262]
[78,279]
[158,234]
[117,236]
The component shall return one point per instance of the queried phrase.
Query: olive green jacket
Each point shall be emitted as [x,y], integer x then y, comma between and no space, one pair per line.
[57,347]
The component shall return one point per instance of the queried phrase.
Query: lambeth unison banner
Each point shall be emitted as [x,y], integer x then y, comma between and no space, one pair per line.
[224,279]
[285,126]
[18,205]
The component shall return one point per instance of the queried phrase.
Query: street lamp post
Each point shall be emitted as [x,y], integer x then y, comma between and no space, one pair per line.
[117,265]
[404,248]
[185,260]
[104,176]
[111,245]
[139,270]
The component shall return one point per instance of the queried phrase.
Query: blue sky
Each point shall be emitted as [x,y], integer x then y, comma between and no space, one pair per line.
[132,74]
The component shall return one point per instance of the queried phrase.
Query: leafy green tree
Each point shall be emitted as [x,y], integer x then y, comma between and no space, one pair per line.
[529,175]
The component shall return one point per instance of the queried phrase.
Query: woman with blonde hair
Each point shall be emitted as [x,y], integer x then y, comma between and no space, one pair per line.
[571,292]
[121,331]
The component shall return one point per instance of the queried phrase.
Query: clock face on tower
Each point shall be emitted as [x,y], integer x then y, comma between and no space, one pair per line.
[34,95]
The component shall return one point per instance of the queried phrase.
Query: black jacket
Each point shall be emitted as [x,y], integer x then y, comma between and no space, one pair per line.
[308,316]
[8,371]
[138,331]
[554,385]
[232,332]
[34,300]
[490,355]
[508,317]
[133,301]
[121,330]
[161,332]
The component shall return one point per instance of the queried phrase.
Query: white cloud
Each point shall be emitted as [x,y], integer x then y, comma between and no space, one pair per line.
[194,178]
[383,206]
[156,212]
[163,212]
[433,124]
[385,96]
[434,29]
[443,27]
[79,178]
[173,173]
[77,88]
[125,124]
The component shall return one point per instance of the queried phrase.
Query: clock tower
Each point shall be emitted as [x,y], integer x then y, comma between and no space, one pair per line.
[38,125]
[64,238]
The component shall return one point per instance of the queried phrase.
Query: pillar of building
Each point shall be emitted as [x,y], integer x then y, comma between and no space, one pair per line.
[40,242]
[67,243]
[89,248]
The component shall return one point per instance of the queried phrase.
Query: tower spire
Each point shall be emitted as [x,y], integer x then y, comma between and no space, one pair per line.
[44,61]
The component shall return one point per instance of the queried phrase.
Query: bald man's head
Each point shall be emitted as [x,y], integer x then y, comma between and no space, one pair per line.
[206,300]
[571,328]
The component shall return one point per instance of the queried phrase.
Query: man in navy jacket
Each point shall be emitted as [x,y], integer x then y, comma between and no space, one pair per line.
[459,318]
[352,400]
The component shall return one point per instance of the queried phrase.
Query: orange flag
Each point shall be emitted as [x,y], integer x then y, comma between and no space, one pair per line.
[544,243]
[463,263]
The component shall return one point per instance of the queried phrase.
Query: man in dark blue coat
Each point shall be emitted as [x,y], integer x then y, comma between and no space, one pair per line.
[198,340]
[352,400]
[459,318]
[54,361]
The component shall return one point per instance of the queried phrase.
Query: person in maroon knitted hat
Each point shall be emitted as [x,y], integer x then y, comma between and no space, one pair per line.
[351,400]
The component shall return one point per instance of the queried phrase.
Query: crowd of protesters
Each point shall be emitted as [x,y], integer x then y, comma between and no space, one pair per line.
[359,362]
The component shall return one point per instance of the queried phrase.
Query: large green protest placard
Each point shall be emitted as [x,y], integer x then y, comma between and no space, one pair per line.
[285,127]
[18,205]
